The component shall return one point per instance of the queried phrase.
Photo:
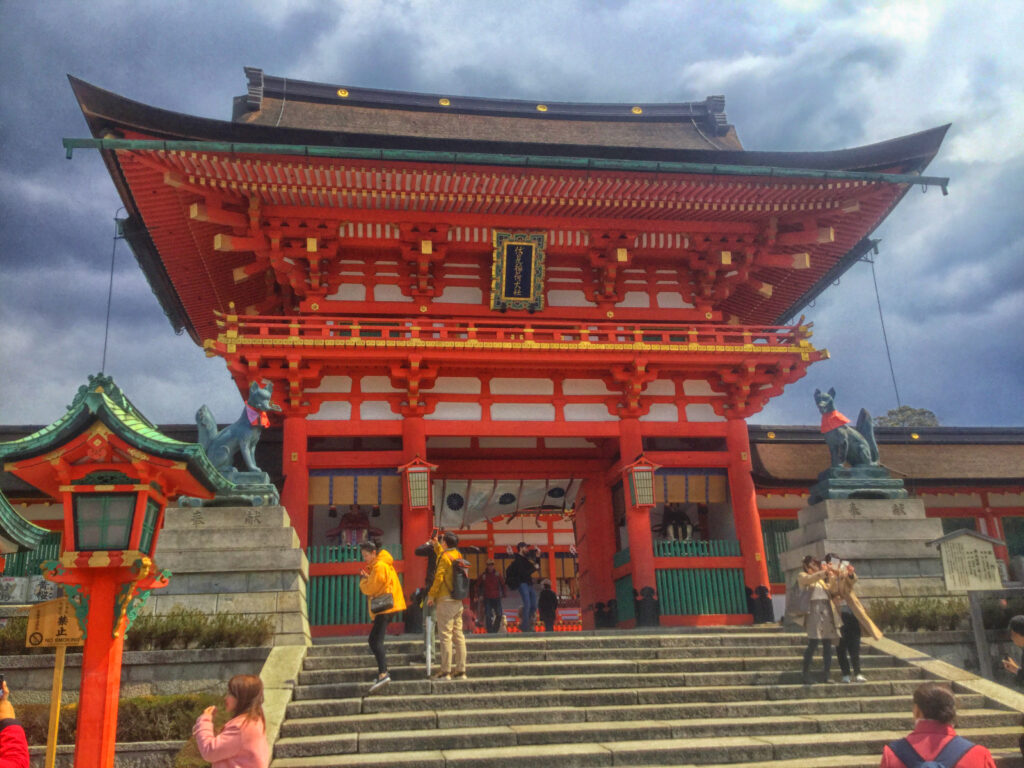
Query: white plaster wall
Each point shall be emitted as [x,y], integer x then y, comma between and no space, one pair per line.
[588,412]
[333,410]
[460,294]
[661,412]
[376,384]
[389,293]
[349,292]
[522,412]
[585,387]
[660,387]
[456,385]
[672,300]
[522,387]
[455,412]
[940,500]
[701,412]
[334,384]
[377,410]
[635,300]
[697,387]
[564,298]
[448,442]
[1006,499]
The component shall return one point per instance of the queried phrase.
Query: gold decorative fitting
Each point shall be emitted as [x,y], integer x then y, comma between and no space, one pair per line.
[314,306]
[771,435]
[423,308]
[707,315]
[610,313]
[445,102]
[637,111]
[542,107]
[343,92]
[914,436]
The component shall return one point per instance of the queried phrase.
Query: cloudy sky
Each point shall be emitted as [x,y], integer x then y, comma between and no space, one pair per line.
[797,75]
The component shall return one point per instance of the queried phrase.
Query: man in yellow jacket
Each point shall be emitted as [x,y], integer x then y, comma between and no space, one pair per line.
[449,610]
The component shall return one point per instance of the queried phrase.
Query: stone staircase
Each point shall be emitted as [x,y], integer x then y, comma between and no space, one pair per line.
[716,697]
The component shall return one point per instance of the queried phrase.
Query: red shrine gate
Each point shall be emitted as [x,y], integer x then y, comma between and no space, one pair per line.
[613,292]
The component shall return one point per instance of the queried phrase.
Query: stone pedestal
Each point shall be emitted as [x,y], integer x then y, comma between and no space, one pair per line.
[236,560]
[885,540]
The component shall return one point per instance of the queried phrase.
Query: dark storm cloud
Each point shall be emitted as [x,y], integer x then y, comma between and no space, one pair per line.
[796,75]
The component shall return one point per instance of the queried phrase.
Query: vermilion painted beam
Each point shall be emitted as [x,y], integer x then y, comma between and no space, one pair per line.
[353,459]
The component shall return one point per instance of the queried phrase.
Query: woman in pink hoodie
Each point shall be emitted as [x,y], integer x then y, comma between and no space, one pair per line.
[243,741]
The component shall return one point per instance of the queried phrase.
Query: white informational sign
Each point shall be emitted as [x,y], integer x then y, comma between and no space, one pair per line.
[969,563]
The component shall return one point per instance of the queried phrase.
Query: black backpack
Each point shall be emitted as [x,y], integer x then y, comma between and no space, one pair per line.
[460,579]
[512,579]
[950,755]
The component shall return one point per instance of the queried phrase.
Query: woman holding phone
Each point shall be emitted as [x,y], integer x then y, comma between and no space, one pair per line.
[242,743]
[822,622]
[383,590]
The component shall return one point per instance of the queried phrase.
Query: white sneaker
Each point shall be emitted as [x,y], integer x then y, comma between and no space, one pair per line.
[846,678]
[860,679]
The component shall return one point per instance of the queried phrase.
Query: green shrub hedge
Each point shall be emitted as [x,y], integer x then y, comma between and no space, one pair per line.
[181,628]
[927,613]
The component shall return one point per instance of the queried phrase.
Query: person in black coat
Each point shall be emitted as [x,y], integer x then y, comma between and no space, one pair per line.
[519,576]
[547,605]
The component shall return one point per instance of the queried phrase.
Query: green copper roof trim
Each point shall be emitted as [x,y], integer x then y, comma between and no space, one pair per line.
[17,529]
[101,399]
[532,161]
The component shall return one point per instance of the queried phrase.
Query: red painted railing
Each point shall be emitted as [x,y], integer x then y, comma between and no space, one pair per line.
[373,331]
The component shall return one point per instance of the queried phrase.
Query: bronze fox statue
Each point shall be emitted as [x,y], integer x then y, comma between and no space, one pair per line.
[240,437]
[856,446]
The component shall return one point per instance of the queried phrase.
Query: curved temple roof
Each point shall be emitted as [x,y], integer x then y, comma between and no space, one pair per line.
[384,127]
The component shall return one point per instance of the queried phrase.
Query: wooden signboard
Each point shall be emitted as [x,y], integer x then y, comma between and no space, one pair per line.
[53,624]
[969,563]
[517,271]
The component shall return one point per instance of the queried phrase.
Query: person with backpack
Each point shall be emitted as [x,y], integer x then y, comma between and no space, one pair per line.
[933,743]
[449,588]
[383,591]
[519,576]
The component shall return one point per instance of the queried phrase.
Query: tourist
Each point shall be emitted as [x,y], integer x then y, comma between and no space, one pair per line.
[242,743]
[449,610]
[383,590]
[492,587]
[519,576]
[933,737]
[821,619]
[13,745]
[547,605]
[1017,638]
[854,620]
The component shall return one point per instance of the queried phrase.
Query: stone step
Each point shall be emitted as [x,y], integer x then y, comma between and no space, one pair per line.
[427,719]
[359,654]
[670,751]
[452,696]
[569,682]
[648,730]
[580,640]
[363,668]
[1005,757]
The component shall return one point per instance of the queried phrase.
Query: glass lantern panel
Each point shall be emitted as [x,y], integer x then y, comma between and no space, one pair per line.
[643,487]
[149,527]
[419,489]
[103,521]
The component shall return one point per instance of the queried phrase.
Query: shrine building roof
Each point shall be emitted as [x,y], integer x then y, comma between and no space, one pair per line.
[293,146]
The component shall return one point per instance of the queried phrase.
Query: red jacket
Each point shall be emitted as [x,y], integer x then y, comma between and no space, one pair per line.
[13,746]
[928,738]
[491,585]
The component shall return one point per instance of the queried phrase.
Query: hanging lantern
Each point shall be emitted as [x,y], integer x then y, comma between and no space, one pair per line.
[640,477]
[417,483]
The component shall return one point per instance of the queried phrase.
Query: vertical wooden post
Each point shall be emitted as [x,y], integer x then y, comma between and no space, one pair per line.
[980,640]
[595,547]
[744,505]
[415,525]
[295,494]
[96,729]
[638,520]
[55,694]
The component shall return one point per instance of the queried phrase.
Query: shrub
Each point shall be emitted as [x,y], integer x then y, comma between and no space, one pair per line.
[911,615]
[12,638]
[144,718]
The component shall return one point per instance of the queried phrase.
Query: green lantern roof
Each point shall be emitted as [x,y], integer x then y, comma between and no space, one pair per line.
[15,528]
[102,400]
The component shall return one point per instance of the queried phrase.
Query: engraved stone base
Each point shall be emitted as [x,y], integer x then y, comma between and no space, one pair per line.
[236,560]
[885,540]
[856,483]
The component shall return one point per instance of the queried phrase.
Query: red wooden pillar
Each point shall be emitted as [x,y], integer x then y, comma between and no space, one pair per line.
[595,547]
[295,494]
[744,505]
[638,521]
[994,529]
[415,525]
